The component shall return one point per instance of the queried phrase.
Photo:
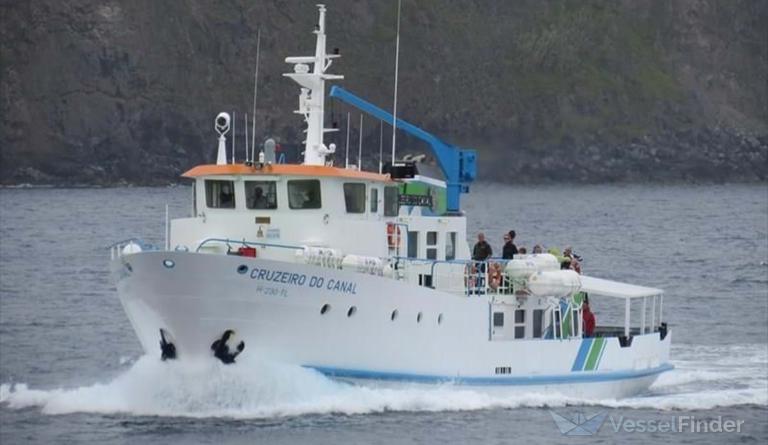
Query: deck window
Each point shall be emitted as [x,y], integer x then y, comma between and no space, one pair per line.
[304,194]
[520,323]
[374,200]
[261,195]
[431,245]
[413,244]
[220,194]
[391,206]
[354,197]
[538,319]
[450,246]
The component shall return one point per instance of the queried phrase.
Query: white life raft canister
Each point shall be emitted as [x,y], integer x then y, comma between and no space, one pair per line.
[554,283]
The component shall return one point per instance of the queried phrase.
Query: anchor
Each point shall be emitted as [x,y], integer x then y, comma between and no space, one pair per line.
[223,351]
[167,348]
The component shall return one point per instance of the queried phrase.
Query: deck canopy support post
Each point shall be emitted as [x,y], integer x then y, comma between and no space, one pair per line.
[626,316]
[653,312]
[661,308]
[642,317]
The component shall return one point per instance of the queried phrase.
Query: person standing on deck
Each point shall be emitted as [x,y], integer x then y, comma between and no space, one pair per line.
[510,249]
[482,250]
[480,253]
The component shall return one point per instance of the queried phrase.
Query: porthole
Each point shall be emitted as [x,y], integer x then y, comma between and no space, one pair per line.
[325,308]
[169,264]
[351,311]
[418,317]
[241,269]
[394,315]
[440,319]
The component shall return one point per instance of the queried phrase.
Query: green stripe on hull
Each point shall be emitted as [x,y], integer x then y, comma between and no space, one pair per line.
[593,359]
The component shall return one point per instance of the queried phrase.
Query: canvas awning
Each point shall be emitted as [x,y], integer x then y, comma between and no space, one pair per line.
[610,288]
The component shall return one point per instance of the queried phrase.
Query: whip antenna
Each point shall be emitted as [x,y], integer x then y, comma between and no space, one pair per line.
[246,134]
[346,158]
[394,106]
[255,90]
[360,146]
[234,138]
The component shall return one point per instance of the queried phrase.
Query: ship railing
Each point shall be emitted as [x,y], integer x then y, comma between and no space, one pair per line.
[470,277]
[649,307]
[463,277]
[244,243]
[565,316]
[116,248]
[411,269]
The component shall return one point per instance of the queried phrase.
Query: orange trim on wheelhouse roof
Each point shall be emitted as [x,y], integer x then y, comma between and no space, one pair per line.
[283,169]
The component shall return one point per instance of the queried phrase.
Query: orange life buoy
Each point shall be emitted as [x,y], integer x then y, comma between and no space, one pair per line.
[494,275]
[393,236]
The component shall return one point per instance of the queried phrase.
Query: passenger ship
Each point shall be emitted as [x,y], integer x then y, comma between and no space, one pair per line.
[364,275]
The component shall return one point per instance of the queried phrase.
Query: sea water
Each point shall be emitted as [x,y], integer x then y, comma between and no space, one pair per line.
[71,369]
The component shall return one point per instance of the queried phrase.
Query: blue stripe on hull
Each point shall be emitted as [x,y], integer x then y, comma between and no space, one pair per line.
[581,357]
[581,377]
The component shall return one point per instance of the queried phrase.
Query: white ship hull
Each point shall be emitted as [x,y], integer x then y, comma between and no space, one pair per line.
[275,309]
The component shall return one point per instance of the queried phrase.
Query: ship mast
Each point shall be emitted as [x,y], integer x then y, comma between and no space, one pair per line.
[312,96]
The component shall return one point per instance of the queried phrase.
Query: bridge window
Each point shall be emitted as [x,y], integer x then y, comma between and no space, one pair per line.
[304,194]
[450,246]
[391,207]
[220,194]
[498,319]
[374,200]
[261,195]
[354,197]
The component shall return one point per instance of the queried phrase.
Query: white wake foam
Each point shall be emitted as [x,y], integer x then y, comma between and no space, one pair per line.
[706,377]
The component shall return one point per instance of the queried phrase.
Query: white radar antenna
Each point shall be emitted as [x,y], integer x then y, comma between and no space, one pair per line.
[312,96]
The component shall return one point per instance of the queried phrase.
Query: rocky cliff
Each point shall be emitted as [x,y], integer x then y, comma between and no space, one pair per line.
[585,91]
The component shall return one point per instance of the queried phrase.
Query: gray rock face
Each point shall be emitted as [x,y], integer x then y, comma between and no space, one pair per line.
[126,91]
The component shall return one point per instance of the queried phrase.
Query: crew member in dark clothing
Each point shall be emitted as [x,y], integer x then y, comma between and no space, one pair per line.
[482,250]
[510,249]
[480,253]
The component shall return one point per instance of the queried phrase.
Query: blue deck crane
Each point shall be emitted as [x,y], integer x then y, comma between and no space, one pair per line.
[458,164]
